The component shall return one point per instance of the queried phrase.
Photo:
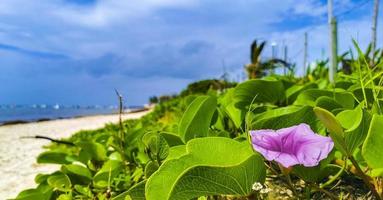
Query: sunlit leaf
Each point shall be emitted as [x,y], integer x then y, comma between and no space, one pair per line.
[372,147]
[211,166]
[258,91]
[196,120]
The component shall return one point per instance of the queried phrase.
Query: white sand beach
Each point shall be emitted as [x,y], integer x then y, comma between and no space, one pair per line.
[18,165]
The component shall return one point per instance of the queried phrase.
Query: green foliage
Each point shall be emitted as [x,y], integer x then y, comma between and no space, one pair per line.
[209,167]
[258,91]
[317,173]
[372,147]
[196,145]
[203,87]
[53,157]
[334,127]
[310,97]
[196,120]
[31,194]
[93,150]
[283,117]
[59,181]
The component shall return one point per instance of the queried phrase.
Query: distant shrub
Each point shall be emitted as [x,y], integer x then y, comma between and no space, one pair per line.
[202,87]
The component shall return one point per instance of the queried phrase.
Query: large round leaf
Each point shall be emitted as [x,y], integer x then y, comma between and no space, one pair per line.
[309,97]
[53,157]
[228,106]
[356,123]
[60,181]
[95,150]
[107,173]
[30,194]
[196,120]
[372,147]
[77,173]
[334,127]
[284,117]
[293,92]
[258,91]
[136,192]
[212,166]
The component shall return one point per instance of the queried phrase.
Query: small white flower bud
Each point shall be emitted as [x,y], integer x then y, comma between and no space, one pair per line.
[257,186]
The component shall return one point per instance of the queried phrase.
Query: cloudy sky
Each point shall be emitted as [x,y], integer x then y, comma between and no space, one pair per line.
[78,51]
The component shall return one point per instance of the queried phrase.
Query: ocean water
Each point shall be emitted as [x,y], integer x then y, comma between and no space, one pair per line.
[29,113]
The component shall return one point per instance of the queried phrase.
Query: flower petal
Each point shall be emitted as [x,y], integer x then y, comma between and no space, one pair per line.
[266,142]
[292,145]
[314,150]
[287,160]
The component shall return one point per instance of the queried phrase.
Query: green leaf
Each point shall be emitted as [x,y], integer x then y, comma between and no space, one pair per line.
[356,122]
[329,121]
[41,178]
[350,119]
[150,168]
[196,120]
[284,117]
[228,106]
[343,84]
[115,156]
[136,192]
[293,92]
[368,94]
[372,146]
[309,97]
[212,166]
[64,197]
[261,91]
[156,143]
[327,103]
[60,181]
[77,173]
[176,152]
[107,173]
[53,157]
[317,173]
[84,190]
[172,139]
[95,150]
[376,172]
[334,127]
[30,194]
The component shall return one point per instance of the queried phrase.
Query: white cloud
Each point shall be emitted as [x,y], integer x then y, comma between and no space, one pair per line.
[106,13]
[125,28]
[311,8]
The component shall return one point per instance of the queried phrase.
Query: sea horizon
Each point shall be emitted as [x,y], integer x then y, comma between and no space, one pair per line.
[24,113]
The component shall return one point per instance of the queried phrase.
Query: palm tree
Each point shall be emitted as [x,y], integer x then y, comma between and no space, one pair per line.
[254,69]
[257,68]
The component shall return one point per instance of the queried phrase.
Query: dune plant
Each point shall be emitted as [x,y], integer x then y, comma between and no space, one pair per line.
[268,137]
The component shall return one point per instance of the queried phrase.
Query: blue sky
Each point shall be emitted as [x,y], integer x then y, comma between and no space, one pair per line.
[78,51]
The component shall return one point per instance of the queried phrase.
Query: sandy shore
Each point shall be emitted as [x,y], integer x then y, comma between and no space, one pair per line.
[18,165]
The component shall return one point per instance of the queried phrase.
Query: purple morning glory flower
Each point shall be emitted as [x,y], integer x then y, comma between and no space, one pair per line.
[292,146]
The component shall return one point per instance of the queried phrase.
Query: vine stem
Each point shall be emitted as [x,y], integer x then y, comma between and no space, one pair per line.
[121,127]
[329,194]
[286,172]
[290,183]
[120,108]
[332,179]
[364,177]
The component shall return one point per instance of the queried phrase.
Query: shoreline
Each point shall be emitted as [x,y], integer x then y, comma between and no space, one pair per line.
[18,166]
[20,121]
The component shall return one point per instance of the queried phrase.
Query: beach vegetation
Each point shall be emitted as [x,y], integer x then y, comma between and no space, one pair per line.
[270,137]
